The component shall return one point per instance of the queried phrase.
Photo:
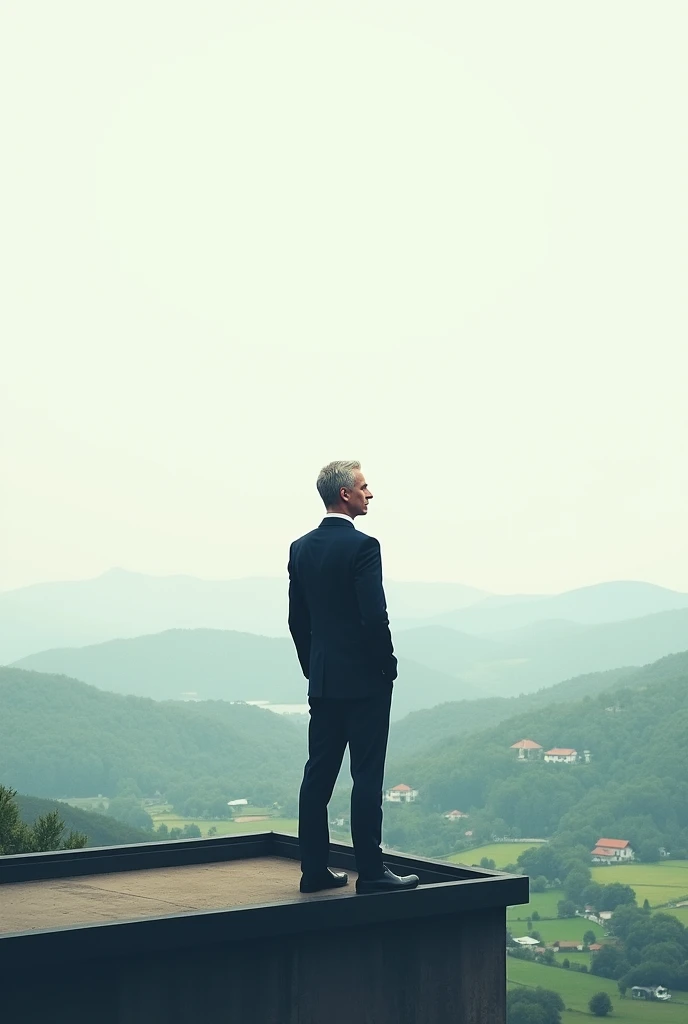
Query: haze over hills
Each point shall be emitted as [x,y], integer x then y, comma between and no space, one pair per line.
[126,604]
[209,664]
[544,653]
[603,602]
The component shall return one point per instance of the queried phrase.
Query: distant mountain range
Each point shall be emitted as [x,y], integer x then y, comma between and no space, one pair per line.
[209,664]
[495,646]
[128,604]
[543,653]
[603,602]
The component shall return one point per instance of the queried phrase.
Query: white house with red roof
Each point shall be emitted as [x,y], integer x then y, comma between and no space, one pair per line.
[455,815]
[526,748]
[401,794]
[561,755]
[612,851]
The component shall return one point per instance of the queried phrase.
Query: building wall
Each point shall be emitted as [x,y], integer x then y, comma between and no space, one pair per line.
[454,969]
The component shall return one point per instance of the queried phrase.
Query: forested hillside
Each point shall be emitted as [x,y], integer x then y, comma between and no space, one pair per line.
[635,786]
[432,725]
[60,737]
[99,829]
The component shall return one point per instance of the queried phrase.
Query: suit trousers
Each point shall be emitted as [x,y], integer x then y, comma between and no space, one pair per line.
[363,724]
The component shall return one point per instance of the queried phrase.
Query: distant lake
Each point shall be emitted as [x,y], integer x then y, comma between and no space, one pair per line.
[281,709]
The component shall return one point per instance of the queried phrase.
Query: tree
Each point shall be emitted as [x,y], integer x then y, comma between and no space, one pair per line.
[44,835]
[609,963]
[129,810]
[538,884]
[566,963]
[527,1012]
[533,1006]
[648,852]
[566,908]
[576,882]
[589,937]
[600,1004]
[536,916]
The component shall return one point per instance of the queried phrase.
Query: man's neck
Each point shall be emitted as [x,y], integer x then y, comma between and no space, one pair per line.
[339,512]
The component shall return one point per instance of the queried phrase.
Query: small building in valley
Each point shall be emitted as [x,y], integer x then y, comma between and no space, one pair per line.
[526,749]
[401,794]
[455,815]
[568,947]
[561,755]
[526,940]
[612,851]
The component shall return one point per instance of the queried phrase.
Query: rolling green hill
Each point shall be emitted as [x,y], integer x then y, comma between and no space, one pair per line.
[100,829]
[635,785]
[433,725]
[60,737]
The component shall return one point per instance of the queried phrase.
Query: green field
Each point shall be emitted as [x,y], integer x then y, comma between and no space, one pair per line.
[501,853]
[576,990]
[658,883]
[680,912]
[544,902]
[229,828]
[570,929]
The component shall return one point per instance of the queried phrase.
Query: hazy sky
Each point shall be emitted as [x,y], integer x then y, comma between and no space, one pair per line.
[241,239]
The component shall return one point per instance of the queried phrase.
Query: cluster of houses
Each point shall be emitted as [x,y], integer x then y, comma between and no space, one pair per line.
[529,749]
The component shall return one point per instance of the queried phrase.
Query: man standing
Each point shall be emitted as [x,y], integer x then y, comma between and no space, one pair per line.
[338,620]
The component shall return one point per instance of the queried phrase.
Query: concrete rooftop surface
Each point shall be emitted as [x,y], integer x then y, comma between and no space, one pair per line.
[155,892]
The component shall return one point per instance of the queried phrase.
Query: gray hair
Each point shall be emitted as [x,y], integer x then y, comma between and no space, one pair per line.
[333,477]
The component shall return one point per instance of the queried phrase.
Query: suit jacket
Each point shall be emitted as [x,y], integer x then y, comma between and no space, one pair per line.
[338,613]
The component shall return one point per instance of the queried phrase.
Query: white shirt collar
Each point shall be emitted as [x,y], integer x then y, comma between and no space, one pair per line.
[339,515]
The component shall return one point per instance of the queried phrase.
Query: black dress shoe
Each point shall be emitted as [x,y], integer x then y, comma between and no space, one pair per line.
[329,880]
[389,882]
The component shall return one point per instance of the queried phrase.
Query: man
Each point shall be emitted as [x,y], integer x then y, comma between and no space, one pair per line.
[338,620]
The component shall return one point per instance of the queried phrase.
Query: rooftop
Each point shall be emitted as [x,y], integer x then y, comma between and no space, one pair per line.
[109,901]
[561,751]
[526,745]
[126,895]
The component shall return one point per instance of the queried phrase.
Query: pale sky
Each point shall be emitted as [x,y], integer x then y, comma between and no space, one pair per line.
[239,240]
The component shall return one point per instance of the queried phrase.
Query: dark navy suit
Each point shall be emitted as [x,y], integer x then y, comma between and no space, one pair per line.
[338,620]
